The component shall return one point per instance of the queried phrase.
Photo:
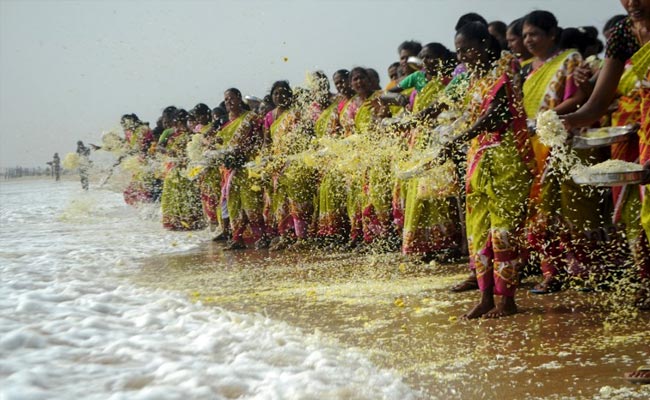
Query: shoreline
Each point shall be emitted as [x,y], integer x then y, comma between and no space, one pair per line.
[400,313]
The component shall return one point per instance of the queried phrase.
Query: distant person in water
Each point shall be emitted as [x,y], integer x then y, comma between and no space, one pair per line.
[56,167]
[84,163]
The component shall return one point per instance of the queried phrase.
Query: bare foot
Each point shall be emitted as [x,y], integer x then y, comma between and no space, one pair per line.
[506,306]
[470,283]
[479,310]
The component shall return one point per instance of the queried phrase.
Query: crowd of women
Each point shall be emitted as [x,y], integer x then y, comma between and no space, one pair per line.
[443,162]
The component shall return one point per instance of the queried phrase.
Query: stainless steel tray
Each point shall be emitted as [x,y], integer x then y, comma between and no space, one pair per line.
[602,137]
[611,178]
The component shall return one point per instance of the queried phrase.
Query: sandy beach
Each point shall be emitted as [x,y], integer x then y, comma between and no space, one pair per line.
[564,345]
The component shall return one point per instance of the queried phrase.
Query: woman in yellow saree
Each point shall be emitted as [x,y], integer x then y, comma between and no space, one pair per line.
[209,181]
[499,169]
[629,42]
[332,221]
[370,192]
[181,200]
[242,190]
[293,192]
[430,219]
[566,220]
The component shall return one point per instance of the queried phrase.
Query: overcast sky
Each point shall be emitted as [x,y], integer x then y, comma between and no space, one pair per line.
[70,69]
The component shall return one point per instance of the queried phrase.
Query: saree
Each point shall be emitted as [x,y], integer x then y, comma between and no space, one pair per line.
[627,198]
[332,220]
[642,62]
[181,199]
[373,202]
[210,182]
[641,248]
[567,222]
[241,189]
[294,184]
[500,170]
[428,94]
[327,122]
[431,221]
[140,188]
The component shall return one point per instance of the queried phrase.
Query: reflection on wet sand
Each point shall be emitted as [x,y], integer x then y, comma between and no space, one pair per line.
[567,344]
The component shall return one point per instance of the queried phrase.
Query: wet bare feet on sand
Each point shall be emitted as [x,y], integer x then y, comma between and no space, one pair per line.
[506,306]
[479,310]
[487,308]
[470,283]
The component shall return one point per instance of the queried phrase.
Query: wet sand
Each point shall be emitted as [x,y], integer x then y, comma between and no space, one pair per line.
[401,314]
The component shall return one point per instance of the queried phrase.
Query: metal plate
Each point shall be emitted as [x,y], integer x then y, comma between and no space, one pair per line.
[611,178]
[603,136]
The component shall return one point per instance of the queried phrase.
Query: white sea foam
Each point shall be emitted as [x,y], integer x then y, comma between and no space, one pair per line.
[71,326]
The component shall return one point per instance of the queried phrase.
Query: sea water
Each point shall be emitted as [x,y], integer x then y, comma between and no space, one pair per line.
[72,324]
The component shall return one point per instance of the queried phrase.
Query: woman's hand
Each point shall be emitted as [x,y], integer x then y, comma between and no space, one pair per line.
[582,76]
[446,152]
[381,110]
